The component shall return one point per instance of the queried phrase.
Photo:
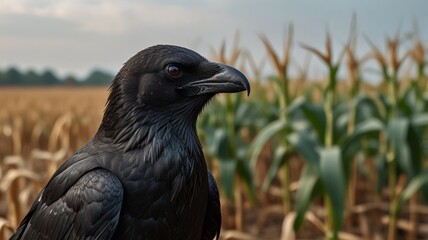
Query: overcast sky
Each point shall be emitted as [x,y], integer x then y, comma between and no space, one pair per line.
[75,36]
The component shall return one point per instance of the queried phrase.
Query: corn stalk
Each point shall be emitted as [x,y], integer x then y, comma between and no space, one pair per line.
[333,220]
[283,98]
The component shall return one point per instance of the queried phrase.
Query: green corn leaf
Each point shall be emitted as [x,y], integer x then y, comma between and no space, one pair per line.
[414,140]
[227,176]
[407,102]
[263,137]
[397,135]
[277,162]
[381,169]
[341,125]
[237,100]
[305,146]
[362,129]
[414,185]
[368,107]
[350,144]
[295,106]
[241,114]
[219,144]
[308,189]
[411,101]
[206,132]
[246,175]
[333,179]
[420,120]
[316,116]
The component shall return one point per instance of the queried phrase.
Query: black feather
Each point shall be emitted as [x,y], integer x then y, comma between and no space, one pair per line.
[143,175]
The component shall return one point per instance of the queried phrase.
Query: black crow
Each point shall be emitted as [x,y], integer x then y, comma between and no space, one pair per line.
[143,175]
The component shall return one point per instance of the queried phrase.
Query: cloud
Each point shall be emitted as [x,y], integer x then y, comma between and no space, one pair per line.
[74,36]
[107,17]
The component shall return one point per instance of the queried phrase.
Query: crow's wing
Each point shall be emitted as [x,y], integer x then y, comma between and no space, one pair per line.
[212,222]
[88,208]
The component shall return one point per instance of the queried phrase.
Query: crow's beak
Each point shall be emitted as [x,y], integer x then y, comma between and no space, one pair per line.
[229,80]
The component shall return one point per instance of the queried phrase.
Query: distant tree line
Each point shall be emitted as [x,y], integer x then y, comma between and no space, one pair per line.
[14,77]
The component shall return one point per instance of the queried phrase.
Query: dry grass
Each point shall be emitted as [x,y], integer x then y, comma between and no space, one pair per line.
[39,117]
[39,129]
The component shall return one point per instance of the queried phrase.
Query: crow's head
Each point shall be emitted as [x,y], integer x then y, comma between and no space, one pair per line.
[168,81]
[165,75]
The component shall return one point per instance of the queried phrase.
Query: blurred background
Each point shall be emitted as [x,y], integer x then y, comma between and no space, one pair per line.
[331,144]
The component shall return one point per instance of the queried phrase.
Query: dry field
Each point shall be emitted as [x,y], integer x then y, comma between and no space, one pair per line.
[39,129]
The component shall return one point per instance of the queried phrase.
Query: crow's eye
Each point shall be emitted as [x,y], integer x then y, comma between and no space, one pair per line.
[174,71]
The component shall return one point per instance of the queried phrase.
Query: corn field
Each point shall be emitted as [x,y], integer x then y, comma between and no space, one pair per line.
[335,158]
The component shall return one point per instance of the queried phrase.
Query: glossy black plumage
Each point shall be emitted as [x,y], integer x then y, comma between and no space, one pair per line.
[143,175]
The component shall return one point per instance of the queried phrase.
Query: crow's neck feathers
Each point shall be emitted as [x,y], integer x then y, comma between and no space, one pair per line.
[132,125]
